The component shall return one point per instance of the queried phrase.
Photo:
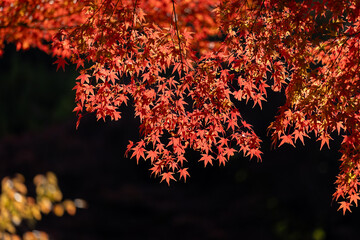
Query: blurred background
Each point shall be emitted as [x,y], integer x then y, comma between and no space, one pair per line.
[286,196]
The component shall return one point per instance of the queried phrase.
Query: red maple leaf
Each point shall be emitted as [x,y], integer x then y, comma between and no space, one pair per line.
[345,206]
[206,158]
[184,173]
[324,139]
[83,78]
[128,147]
[229,152]
[299,135]
[139,151]
[112,76]
[152,155]
[167,176]
[354,198]
[60,63]
[286,139]
[222,159]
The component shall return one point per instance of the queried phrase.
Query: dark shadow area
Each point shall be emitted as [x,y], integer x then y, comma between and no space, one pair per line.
[286,196]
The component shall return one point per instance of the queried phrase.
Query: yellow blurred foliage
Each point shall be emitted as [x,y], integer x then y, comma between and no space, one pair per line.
[7,236]
[35,235]
[15,206]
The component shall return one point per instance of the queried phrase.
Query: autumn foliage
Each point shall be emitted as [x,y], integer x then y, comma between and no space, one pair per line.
[184,66]
[16,207]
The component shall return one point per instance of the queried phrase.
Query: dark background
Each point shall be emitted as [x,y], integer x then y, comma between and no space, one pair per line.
[287,196]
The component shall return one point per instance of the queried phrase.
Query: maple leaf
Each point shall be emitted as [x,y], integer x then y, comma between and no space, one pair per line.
[286,139]
[206,158]
[181,159]
[152,155]
[184,173]
[79,63]
[299,135]
[232,123]
[354,198]
[246,125]
[156,170]
[254,152]
[349,140]
[339,126]
[129,147]
[229,152]
[60,63]
[83,78]
[167,176]
[112,76]
[238,95]
[324,139]
[345,206]
[223,141]
[222,159]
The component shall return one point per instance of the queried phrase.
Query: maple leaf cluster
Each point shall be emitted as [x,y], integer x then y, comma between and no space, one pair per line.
[33,23]
[184,66]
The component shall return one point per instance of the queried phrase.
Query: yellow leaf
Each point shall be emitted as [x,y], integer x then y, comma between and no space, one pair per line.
[16,219]
[15,237]
[39,179]
[58,210]
[51,177]
[35,235]
[10,228]
[45,205]
[36,212]
[57,195]
[20,187]
[70,207]
[29,236]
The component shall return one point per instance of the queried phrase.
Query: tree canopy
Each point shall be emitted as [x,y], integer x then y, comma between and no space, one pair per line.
[185,65]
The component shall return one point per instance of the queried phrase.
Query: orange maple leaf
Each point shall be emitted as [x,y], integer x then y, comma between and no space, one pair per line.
[345,206]
[167,176]
[206,158]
